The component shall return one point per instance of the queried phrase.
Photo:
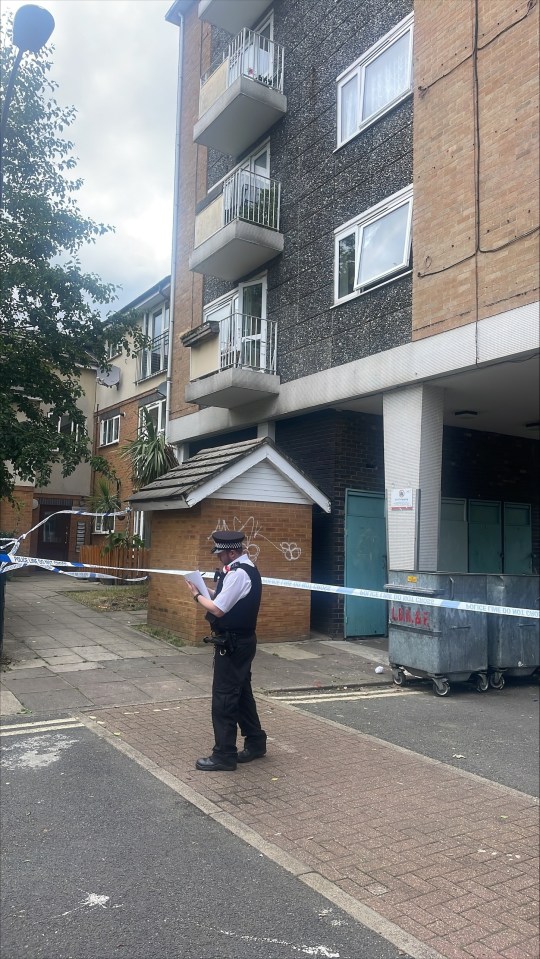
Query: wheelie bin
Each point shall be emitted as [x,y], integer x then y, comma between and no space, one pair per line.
[513,641]
[433,642]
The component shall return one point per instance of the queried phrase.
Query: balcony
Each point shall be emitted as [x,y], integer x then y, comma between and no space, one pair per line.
[232,15]
[242,98]
[233,362]
[154,359]
[238,231]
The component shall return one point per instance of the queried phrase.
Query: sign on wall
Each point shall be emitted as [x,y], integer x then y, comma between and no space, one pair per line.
[401,499]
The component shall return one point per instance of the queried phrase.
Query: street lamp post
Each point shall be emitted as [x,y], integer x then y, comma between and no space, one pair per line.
[32,27]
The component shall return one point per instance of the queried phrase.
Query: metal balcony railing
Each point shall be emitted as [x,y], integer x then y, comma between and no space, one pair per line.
[154,359]
[247,342]
[249,196]
[252,55]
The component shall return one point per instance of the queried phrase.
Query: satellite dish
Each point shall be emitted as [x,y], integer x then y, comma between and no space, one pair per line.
[111,378]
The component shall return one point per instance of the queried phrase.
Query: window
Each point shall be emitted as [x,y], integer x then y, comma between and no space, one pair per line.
[113,349]
[374,246]
[244,331]
[376,82]
[138,524]
[66,426]
[250,194]
[104,523]
[154,359]
[109,431]
[157,413]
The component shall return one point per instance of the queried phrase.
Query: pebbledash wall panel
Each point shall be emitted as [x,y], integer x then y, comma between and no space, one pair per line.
[322,188]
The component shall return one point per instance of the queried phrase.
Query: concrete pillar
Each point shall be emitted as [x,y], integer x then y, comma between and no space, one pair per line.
[413,426]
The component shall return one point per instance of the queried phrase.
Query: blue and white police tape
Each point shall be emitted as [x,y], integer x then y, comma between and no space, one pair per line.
[12,561]
[15,542]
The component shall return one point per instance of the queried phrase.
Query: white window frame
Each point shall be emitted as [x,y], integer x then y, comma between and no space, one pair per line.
[113,349]
[105,429]
[138,523]
[161,406]
[235,300]
[356,226]
[104,524]
[148,327]
[358,70]
[74,428]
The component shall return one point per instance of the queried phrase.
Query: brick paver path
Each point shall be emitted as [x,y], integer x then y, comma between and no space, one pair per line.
[447,857]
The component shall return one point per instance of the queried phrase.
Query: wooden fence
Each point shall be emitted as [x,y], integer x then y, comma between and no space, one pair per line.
[120,559]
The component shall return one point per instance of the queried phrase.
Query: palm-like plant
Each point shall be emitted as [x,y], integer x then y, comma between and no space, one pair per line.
[150,455]
[104,500]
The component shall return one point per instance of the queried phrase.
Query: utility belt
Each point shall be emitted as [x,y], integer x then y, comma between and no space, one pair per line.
[228,640]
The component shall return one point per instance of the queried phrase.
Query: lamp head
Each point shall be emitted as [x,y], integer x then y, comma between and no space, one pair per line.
[32,27]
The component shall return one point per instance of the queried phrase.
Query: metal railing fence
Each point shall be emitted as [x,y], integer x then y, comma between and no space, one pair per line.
[248,342]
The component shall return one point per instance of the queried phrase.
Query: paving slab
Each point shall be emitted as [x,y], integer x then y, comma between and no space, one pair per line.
[9,704]
[75,667]
[446,856]
[31,684]
[94,653]
[30,662]
[54,701]
[112,694]
[166,690]
[61,658]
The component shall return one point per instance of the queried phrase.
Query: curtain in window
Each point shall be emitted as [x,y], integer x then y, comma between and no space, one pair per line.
[386,77]
[349,108]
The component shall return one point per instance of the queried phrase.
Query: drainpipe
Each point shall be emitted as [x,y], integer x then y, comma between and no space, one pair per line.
[175,217]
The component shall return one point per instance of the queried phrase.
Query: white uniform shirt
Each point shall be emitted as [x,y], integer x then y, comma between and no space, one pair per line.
[236,585]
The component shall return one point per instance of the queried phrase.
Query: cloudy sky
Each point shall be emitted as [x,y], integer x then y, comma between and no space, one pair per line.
[116,62]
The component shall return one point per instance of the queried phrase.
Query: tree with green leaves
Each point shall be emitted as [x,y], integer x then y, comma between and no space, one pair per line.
[51,325]
[149,454]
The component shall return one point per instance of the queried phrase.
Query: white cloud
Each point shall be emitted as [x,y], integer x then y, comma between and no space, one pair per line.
[116,62]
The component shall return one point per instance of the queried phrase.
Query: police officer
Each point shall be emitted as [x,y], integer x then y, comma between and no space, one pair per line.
[232,612]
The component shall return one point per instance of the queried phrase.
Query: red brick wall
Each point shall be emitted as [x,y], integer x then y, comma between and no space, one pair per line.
[180,541]
[18,519]
[129,422]
[459,283]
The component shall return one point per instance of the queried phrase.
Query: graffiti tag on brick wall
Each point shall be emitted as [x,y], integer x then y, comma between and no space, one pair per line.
[252,530]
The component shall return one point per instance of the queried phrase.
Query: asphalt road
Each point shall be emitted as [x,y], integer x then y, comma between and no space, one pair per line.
[493,734]
[101,860]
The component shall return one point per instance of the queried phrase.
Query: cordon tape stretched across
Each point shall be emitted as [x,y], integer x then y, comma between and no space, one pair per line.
[11,561]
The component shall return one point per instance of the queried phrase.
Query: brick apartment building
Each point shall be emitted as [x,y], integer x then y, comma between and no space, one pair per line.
[135,384]
[112,404]
[355,273]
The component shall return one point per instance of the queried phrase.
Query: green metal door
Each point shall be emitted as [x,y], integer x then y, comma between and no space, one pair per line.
[453,536]
[365,562]
[485,537]
[517,538]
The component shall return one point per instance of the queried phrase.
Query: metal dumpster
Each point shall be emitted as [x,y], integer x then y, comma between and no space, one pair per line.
[513,641]
[444,645]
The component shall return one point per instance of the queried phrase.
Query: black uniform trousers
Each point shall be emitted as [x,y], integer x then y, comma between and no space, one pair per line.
[233,704]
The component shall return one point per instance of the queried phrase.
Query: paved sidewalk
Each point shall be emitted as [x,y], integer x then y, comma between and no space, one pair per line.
[406,844]
[66,656]
[439,861]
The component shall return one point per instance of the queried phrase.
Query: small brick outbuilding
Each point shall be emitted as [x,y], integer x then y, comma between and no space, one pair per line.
[248,486]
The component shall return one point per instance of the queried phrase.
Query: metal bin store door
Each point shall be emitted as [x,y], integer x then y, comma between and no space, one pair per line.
[517,538]
[485,537]
[365,563]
